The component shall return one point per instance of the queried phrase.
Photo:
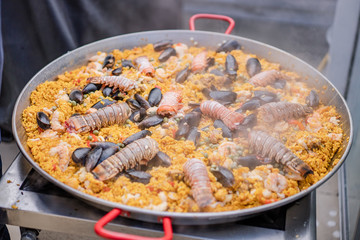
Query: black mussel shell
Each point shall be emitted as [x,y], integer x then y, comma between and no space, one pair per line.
[251,104]
[226,132]
[194,136]
[266,96]
[150,122]
[76,95]
[155,96]
[75,114]
[127,63]
[166,54]
[191,119]
[108,152]
[138,116]
[136,136]
[43,120]
[210,61]
[160,159]
[223,175]
[229,46]
[224,96]
[253,66]
[182,75]
[249,121]
[117,71]
[104,145]
[92,158]
[143,102]
[78,156]
[313,99]
[107,91]
[103,103]
[109,61]
[133,104]
[162,45]
[138,176]
[182,131]
[217,72]
[91,87]
[231,66]
[250,161]
[279,84]
[118,95]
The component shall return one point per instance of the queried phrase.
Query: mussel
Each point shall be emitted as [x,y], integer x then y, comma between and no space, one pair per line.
[160,159]
[103,103]
[138,176]
[108,152]
[109,61]
[251,104]
[142,101]
[191,119]
[253,66]
[150,122]
[223,175]
[226,132]
[78,156]
[133,104]
[166,54]
[118,95]
[217,72]
[107,91]
[136,136]
[91,87]
[250,161]
[279,84]
[249,121]
[223,96]
[266,96]
[229,46]
[76,95]
[161,45]
[194,136]
[182,75]
[43,120]
[92,158]
[155,97]
[231,66]
[117,71]
[127,63]
[313,99]
[104,145]
[138,115]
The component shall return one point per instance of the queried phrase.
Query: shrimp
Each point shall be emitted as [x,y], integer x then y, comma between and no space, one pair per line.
[227,148]
[64,154]
[266,146]
[116,113]
[314,121]
[181,49]
[275,182]
[144,66]
[170,104]
[277,111]
[138,152]
[265,78]
[199,62]
[216,110]
[48,134]
[197,177]
[118,82]
[55,123]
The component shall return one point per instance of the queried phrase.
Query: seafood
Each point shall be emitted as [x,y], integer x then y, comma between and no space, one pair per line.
[267,146]
[231,66]
[138,116]
[253,66]
[133,104]
[223,175]
[116,113]
[107,91]
[43,120]
[91,88]
[142,101]
[155,97]
[64,154]
[197,177]
[138,152]
[107,152]
[92,158]
[226,132]
[216,110]
[223,96]
[144,66]
[191,119]
[102,103]
[76,95]
[182,75]
[116,71]
[166,54]
[313,99]
[162,45]
[136,136]
[265,78]
[127,64]
[277,111]
[138,176]
[266,96]
[117,82]
[170,104]
[160,159]
[104,144]
[193,135]
[228,46]
[251,104]
[181,49]
[250,161]
[150,122]
[275,182]
[55,123]
[79,155]
[109,61]
[199,62]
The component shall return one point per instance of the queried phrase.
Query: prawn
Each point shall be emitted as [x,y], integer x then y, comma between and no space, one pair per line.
[170,104]
[265,78]
[64,154]
[144,66]
[275,182]
[118,82]
[277,111]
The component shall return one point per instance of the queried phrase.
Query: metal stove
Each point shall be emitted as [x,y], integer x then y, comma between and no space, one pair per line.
[29,200]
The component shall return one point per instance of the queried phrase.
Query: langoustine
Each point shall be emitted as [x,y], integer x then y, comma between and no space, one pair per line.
[197,177]
[116,113]
[138,152]
[265,78]
[118,82]
[144,66]
[170,104]
[267,146]
[218,111]
[277,111]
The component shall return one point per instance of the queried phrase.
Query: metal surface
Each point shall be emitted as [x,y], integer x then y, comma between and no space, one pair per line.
[78,57]
[60,212]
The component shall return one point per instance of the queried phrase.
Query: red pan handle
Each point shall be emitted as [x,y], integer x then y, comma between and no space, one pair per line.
[99,228]
[212,16]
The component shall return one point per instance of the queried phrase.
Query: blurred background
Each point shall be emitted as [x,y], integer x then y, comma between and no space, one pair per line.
[323,33]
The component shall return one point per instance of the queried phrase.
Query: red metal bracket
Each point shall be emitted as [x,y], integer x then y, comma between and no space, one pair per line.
[212,16]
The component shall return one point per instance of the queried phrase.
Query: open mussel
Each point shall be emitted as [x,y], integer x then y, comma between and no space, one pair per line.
[118,95]
[76,95]
[91,87]
[136,136]
[138,115]
[191,119]
[160,159]
[266,96]
[150,122]
[142,101]
[194,136]
[92,158]
[253,66]
[166,54]
[138,176]
[127,63]
[155,97]
[313,99]
[226,132]
[133,104]
[231,66]
[228,46]
[109,61]
[223,175]
[78,156]
[182,75]
[162,45]
[43,120]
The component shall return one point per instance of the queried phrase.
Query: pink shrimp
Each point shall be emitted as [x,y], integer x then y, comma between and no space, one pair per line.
[216,110]
[197,177]
[144,66]
[267,77]
[170,104]
[64,154]
[199,62]
[118,82]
